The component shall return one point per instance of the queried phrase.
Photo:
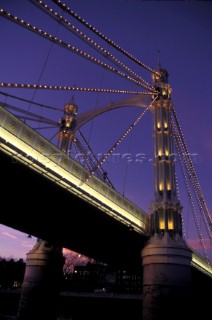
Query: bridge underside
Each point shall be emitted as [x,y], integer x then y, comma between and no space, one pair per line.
[36,206]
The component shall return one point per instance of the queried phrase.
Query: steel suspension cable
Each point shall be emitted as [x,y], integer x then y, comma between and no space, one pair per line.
[193,177]
[29,101]
[193,183]
[106,54]
[178,197]
[102,36]
[127,166]
[42,128]
[42,71]
[69,47]
[68,88]
[87,161]
[93,155]
[34,115]
[177,140]
[115,145]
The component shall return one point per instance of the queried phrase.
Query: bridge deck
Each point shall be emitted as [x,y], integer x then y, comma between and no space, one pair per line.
[27,146]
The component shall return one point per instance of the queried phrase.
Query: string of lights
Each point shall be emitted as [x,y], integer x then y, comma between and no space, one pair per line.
[87,160]
[115,145]
[81,154]
[74,152]
[194,180]
[92,163]
[178,197]
[95,158]
[102,36]
[68,88]
[65,23]
[69,47]
[177,185]
[187,181]
[193,183]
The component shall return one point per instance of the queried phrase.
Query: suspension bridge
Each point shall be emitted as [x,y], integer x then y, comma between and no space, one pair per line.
[62,180]
[26,146]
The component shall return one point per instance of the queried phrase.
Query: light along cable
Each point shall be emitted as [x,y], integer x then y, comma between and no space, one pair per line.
[65,23]
[106,155]
[191,177]
[180,149]
[69,47]
[91,151]
[68,88]
[101,35]
[194,180]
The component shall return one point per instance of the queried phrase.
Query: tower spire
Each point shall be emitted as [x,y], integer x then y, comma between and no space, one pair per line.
[159,64]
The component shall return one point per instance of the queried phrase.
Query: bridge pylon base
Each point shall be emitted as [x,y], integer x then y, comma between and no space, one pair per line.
[41,285]
[166,278]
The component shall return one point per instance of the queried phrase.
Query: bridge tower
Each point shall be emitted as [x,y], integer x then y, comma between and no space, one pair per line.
[166,258]
[44,263]
[67,126]
[41,285]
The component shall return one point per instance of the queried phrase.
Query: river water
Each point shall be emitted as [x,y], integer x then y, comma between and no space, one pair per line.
[81,306]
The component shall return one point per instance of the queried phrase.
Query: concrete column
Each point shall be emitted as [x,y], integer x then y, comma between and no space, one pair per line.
[166,278]
[41,285]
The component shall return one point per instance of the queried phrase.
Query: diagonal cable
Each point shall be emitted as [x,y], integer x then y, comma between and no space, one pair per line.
[106,54]
[68,47]
[101,35]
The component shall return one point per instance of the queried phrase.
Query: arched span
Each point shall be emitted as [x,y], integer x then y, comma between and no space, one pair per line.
[141,101]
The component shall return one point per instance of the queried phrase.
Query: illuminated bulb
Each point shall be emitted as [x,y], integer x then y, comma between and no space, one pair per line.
[161,187]
[162,224]
[170,225]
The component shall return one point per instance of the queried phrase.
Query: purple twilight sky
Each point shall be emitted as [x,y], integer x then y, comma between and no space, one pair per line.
[180,30]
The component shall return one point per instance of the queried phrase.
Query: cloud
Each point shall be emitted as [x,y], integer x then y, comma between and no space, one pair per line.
[196,244]
[7,234]
[26,244]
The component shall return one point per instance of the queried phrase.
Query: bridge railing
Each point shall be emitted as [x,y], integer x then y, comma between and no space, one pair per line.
[201,263]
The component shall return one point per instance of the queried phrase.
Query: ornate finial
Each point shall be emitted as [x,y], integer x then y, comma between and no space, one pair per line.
[72,101]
